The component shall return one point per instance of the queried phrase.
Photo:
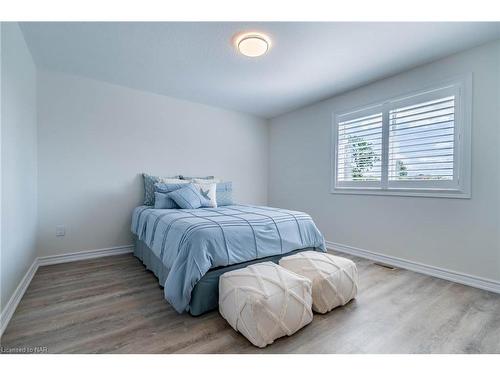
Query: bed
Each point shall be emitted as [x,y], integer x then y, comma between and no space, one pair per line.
[188,249]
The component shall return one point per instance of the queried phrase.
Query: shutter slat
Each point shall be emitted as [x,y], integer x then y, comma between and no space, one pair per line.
[436,129]
[430,169]
[430,162]
[423,137]
[435,149]
[426,139]
[375,136]
[420,178]
[421,105]
[424,157]
[396,115]
[367,128]
[350,157]
[394,122]
[375,148]
[359,132]
[441,142]
[361,119]
[360,179]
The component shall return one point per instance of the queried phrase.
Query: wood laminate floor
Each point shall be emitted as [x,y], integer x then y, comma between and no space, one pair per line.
[113,305]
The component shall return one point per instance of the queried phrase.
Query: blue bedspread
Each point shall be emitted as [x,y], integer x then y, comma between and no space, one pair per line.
[191,242]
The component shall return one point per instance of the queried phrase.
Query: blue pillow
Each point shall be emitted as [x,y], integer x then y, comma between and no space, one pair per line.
[224,193]
[162,187]
[149,188]
[161,191]
[189,197]
[163,201]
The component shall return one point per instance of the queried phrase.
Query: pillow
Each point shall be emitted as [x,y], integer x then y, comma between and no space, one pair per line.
[224,193]
[199,178]
[163,201]
[208,190]
[149,187]
[161,191]
[167,187]
[169,180]
[188,197]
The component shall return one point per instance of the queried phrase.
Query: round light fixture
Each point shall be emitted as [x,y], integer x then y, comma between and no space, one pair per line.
[253,44]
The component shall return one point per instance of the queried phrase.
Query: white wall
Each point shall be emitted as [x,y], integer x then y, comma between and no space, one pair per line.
[19,160]
[96,138]
[458,234]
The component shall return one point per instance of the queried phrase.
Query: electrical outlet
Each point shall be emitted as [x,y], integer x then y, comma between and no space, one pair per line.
[60,230]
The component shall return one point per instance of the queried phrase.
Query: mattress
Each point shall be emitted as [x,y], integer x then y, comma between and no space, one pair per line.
[205,294]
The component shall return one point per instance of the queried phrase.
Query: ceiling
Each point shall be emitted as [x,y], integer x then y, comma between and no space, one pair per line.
[197,61]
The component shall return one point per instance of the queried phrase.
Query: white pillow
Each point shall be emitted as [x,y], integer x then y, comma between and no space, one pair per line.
[208,189]
[205,180]
[172,181]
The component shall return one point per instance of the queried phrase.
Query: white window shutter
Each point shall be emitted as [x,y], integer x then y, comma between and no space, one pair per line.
[359,143]
[417,144]
[422,141]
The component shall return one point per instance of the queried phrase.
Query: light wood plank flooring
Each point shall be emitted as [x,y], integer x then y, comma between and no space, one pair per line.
[113,305]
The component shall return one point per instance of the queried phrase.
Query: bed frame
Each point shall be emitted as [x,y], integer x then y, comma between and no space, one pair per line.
[205,294]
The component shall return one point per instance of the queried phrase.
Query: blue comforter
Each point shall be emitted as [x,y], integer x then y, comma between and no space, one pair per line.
[191,242]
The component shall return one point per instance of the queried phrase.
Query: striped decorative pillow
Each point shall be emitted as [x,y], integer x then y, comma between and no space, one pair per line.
[189,197]
[161,191]
[163,201]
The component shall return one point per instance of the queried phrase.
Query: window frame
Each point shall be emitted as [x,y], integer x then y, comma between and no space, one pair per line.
[459,187]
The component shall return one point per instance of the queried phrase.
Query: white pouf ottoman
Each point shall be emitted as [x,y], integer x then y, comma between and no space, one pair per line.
[265,301]
[334,279]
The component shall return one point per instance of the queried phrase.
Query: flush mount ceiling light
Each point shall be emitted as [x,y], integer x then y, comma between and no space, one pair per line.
[253,44]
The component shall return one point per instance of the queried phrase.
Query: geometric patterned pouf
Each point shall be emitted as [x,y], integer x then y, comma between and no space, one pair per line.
[265,301]
[334,279]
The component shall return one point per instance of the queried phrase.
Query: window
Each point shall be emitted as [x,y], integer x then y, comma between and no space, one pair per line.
[416,144]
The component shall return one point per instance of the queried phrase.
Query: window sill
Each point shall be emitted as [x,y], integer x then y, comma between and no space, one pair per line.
[429,193]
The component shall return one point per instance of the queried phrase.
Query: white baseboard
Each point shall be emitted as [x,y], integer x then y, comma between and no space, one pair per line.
[442,273]
[87,254]
[14,300]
